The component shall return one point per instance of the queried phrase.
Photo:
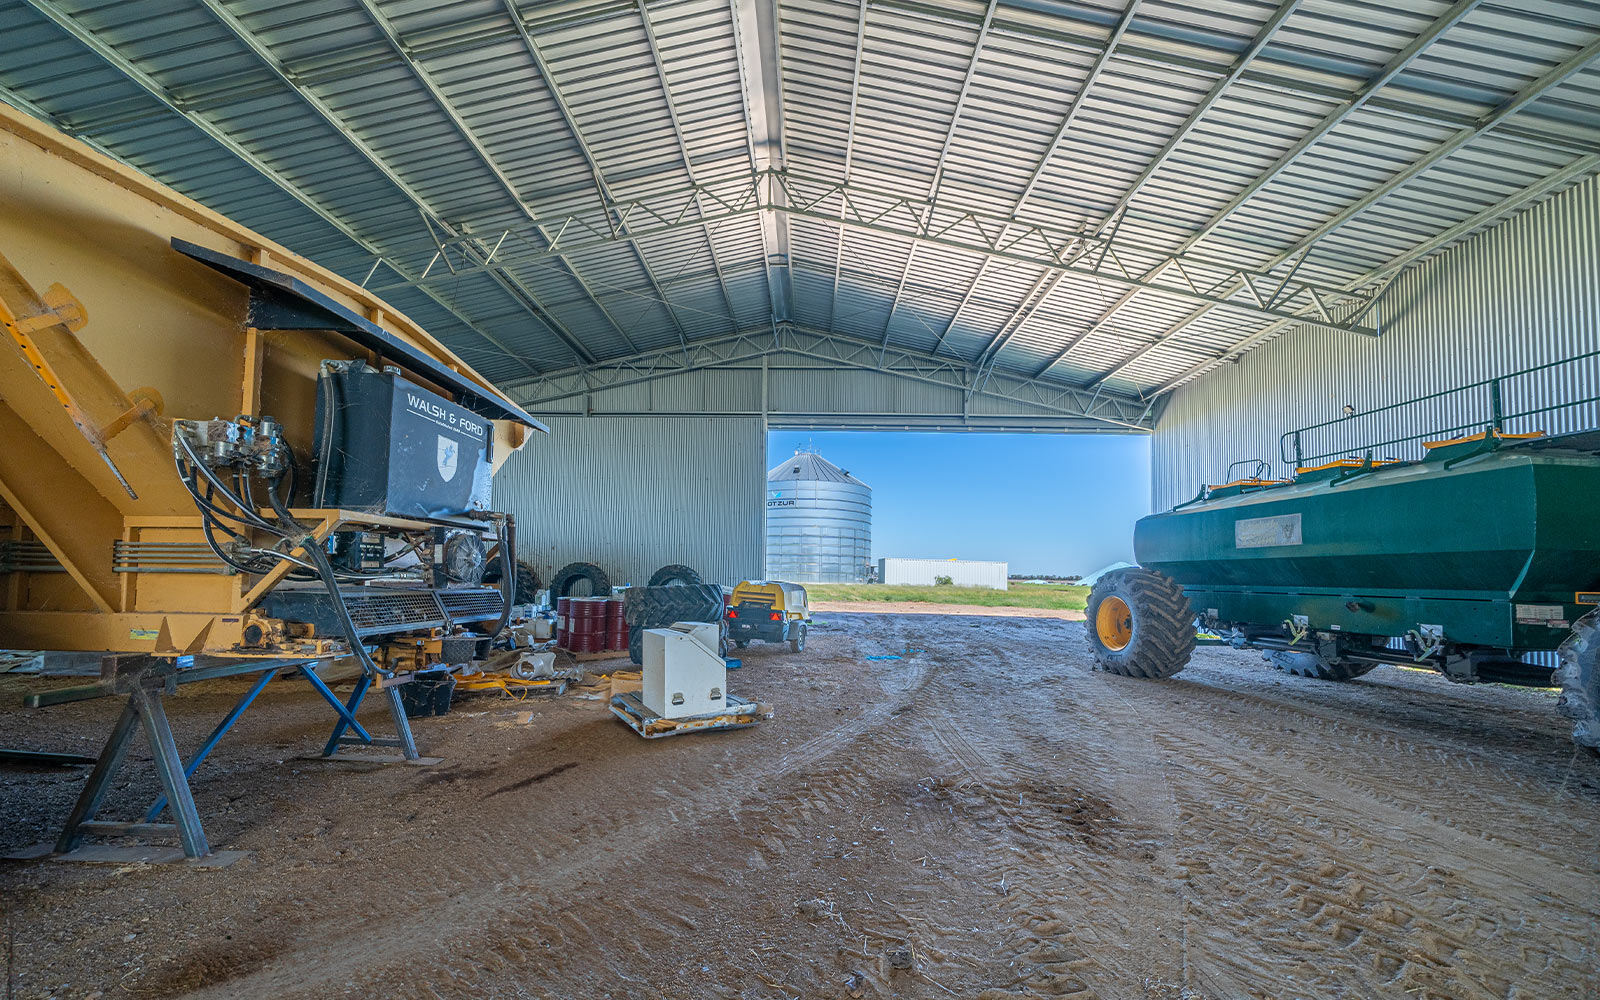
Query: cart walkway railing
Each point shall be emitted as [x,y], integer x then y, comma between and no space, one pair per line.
[1506,404]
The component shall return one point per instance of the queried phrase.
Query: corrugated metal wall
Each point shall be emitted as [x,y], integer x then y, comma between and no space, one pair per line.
[1522,294]
[635,493]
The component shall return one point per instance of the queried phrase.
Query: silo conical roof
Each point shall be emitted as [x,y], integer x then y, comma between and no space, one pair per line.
[808,466]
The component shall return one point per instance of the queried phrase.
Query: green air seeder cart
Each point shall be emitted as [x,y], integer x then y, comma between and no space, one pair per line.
[1483,550]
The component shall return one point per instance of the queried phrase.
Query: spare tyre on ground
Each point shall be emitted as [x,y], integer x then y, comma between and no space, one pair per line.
[527,580]
[660,607]
[675,573]
[572,576]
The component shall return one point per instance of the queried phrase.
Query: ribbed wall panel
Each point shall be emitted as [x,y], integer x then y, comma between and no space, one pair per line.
[1522,294]
[634,494]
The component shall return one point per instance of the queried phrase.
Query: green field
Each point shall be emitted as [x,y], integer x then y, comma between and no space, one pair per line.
[1054,597]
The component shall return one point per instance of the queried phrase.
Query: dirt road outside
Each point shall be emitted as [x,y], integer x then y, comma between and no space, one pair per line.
[984,817]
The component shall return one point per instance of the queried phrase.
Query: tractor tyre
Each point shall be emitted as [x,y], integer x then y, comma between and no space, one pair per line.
[636,644]
[666,576]
[1579,678]
[658,607]
[527,579]
[1304,664]
[1140,624]
[561,584]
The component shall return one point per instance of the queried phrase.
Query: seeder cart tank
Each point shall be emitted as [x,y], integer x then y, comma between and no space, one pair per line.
[1483,550]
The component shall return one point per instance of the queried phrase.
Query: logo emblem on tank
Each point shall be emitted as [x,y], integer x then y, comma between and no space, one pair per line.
[448,450]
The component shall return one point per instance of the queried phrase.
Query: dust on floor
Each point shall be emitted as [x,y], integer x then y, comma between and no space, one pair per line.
[982,817]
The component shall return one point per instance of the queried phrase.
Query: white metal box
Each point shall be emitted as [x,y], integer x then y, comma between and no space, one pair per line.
[683,674]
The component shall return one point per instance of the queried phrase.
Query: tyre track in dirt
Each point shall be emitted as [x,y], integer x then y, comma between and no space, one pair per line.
[1085,921]
[497,903]
[1023,826]
[1357,760]
[1416,935]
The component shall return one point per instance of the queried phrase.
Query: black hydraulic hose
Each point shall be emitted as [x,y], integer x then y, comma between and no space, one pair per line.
[325,445]
[252,518]
[505,531]
[330,582]
[205,503]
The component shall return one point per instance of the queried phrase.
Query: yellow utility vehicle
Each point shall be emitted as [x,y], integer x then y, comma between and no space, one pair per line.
[769,611]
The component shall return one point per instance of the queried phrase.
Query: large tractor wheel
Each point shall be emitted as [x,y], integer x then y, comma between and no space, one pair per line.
[1579,678]
[1140,624]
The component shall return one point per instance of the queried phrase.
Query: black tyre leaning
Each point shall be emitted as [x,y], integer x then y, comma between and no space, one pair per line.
[1303,664]
[1140,624]
[562,583]
[1579,679]
[659,607]
[676,573]
[527,579]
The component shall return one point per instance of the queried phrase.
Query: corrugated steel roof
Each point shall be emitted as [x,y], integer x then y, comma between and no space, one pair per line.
[450,153]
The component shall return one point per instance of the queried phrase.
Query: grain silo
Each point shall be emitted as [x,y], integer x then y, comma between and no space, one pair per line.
[819,522]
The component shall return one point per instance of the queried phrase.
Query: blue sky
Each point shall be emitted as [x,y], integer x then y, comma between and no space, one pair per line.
[1045,503]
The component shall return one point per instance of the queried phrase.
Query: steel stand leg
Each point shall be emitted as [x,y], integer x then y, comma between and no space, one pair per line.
[347,711]
[169,767]
[402,725]
[94,790]
[215,737]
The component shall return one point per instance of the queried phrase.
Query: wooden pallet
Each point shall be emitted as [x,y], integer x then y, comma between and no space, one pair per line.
[738,714]
[604,654]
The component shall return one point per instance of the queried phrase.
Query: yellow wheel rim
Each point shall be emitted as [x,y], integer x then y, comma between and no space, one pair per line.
[1113,623]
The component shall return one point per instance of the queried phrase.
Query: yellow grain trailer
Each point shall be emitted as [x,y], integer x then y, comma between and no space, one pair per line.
[217,457]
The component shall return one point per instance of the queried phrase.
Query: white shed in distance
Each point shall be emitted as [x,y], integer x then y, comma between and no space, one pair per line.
[962,572]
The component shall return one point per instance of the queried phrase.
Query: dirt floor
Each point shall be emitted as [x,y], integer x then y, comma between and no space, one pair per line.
[984,809]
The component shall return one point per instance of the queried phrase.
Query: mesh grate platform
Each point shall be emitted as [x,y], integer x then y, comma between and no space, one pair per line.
[380,612]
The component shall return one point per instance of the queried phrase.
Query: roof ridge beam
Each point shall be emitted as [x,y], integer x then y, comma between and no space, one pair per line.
[849,154]
[944,152]
[683,150]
